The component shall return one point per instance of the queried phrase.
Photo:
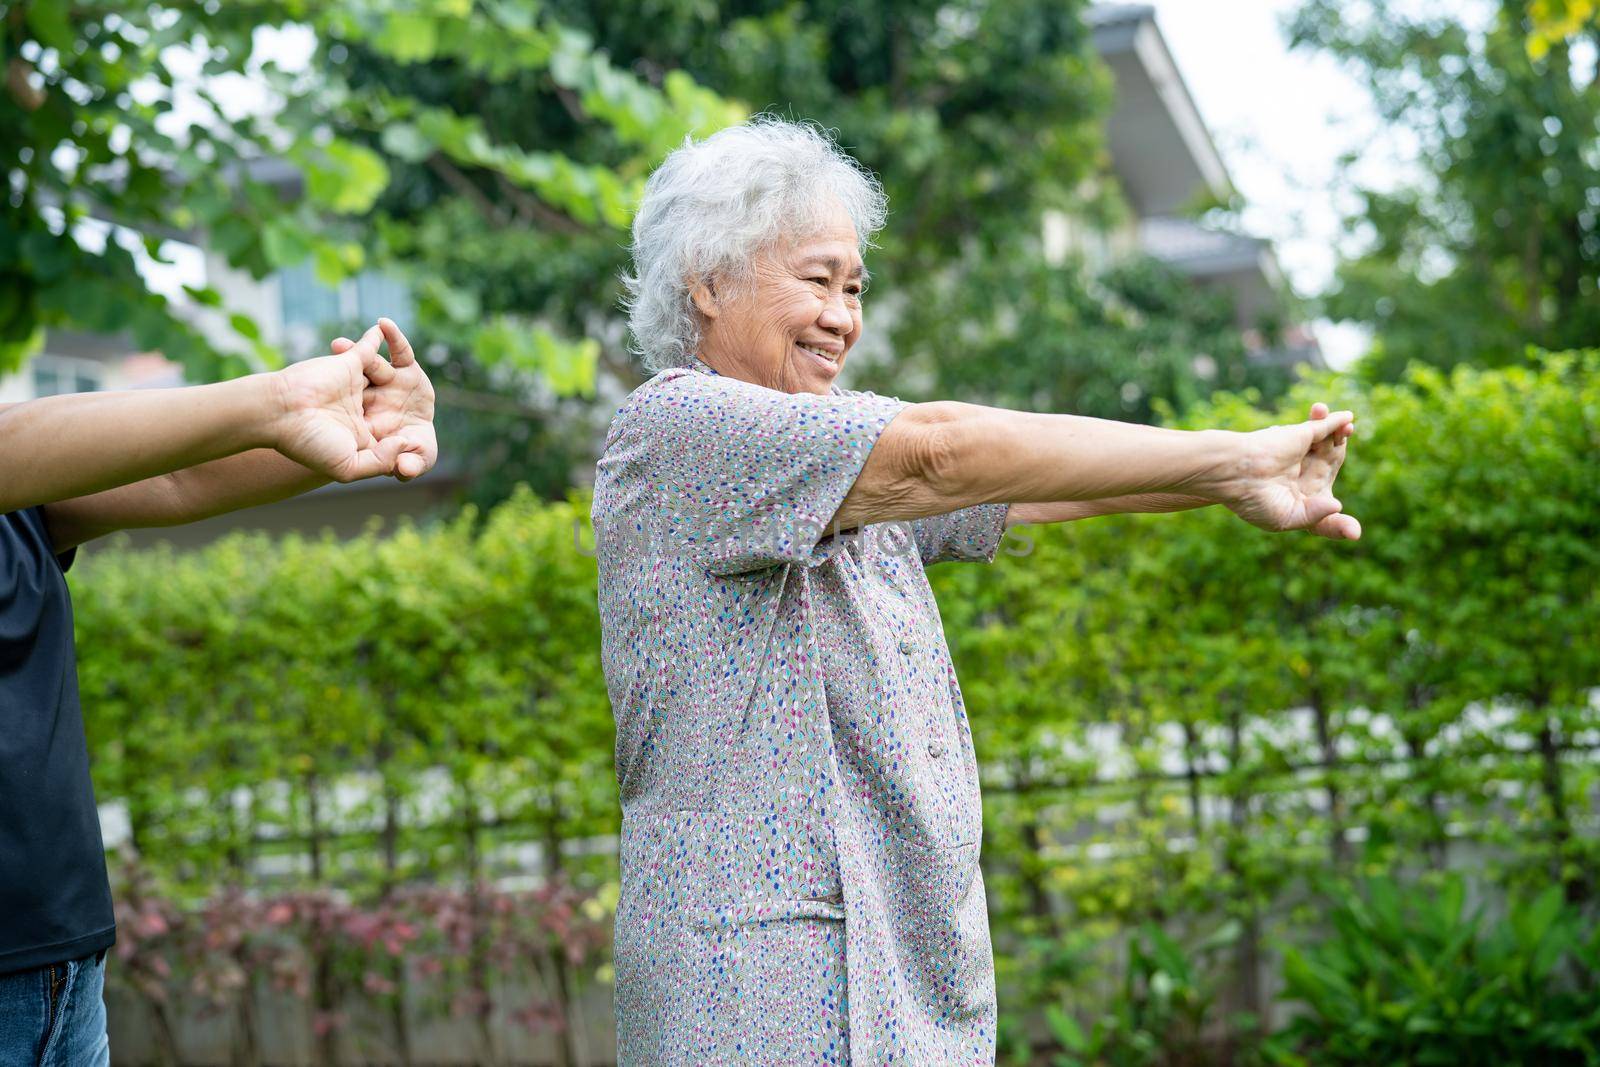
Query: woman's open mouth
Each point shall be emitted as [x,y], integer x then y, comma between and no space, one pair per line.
[821,356]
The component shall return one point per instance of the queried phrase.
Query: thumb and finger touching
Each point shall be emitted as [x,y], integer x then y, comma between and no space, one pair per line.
[376,460]
[1324,512]
[378,370]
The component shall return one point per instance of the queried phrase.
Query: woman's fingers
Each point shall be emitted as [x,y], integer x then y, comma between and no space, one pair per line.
[1319,507]
[1319,411]
[1338,527]
[1325,517]
[373,365]
[1331,425]
[376,369]
[412,463]
[1330,434]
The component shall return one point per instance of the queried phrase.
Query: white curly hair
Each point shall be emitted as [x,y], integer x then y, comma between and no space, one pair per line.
[712,205]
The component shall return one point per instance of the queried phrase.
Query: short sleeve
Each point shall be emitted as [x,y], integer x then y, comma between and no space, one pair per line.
[970,534]
[34,517]
[744,477]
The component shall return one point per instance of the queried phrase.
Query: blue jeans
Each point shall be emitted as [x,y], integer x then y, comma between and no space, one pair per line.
[55,1016]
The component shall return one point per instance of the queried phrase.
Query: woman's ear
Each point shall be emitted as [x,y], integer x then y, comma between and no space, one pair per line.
[704,296]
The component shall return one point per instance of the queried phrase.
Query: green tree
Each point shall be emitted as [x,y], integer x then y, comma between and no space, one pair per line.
[1496,244]
[100,118]
[488,152]
[1554,21]
[978,116]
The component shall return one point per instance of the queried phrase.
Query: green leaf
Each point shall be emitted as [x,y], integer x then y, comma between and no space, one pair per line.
[408,37]
[459,306]
[51,24]
[245,326]
[405,141]
[345,177]
[1066,1030]
[14,354]
[284,243]
[204,295]
[327,265]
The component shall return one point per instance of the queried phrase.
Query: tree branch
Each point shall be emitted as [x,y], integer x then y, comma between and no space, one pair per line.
[535,211]
[465,186]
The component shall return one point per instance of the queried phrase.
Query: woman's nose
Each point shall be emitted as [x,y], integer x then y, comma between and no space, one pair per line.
[835,315]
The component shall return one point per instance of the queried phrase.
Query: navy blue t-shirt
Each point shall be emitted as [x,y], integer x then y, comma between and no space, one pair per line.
[55,901]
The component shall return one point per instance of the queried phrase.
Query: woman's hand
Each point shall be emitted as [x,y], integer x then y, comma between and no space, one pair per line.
[399,402]
[1283,479]
[321,423]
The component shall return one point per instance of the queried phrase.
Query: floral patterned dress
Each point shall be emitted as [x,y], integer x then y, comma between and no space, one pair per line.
[801,819]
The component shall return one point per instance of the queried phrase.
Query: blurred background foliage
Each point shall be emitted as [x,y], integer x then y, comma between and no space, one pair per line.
[490,162]
[1250,799]
[1497,244]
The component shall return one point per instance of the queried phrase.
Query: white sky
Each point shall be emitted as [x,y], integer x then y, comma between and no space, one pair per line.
[1281,121]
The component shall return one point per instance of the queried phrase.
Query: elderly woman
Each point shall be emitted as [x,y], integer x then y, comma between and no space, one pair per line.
[801,820]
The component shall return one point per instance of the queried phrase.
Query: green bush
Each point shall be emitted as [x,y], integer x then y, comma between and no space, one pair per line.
[1413,974]
[1159,1016]
[385,707]
[1183,722]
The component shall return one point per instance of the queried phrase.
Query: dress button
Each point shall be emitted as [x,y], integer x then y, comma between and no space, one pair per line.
[907,647]
[935,749]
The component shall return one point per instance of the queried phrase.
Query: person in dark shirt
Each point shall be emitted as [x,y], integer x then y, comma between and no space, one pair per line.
[74,468]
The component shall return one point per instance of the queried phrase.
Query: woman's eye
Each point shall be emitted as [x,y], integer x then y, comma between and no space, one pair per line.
[818,280]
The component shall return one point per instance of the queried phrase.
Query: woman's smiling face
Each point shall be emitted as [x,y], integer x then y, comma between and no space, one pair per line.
[793,322]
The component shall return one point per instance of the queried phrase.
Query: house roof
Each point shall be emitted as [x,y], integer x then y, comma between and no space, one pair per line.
[1244,266]
[1111,14]
[1199,251]
[1161,150]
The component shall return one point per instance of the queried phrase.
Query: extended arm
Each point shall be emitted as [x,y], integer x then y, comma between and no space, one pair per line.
[939,457]
[102,461]
[1161,503]
[67,446]
[1072,510]
[397,403]
[259,476]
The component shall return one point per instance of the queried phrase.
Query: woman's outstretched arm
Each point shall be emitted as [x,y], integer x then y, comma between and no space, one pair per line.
[939,457]
[1073,510]
[1340,526]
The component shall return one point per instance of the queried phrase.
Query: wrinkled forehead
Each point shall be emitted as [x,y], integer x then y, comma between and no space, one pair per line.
[832,257]
[834,247]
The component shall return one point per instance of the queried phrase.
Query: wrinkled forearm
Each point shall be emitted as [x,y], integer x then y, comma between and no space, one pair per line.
[1072,510]
[249,479]
[944,456]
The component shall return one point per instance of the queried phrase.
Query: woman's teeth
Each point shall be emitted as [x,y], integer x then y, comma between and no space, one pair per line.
[816,352]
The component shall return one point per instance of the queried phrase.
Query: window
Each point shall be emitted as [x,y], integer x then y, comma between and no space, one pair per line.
[380,294]
[306,301]
[54,375]
[310,308]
